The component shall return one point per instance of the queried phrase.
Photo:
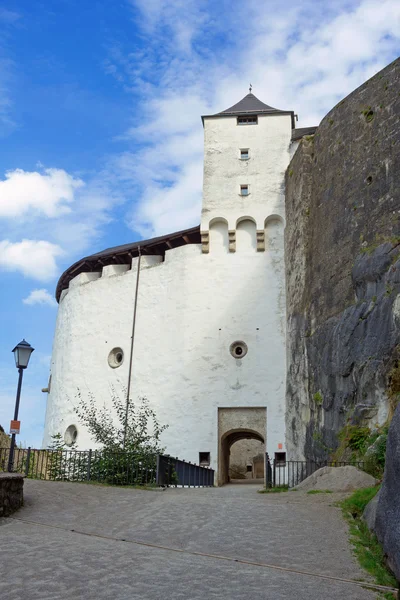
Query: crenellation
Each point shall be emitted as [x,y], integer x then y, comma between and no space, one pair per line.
[84,278]
[114,270]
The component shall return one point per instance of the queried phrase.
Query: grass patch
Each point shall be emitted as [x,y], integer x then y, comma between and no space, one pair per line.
[320,492]
[365,544]
[274,490]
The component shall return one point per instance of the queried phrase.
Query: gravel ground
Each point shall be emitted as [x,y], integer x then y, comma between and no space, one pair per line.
[44,560]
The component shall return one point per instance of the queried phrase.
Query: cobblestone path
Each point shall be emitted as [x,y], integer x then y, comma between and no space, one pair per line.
[42,559]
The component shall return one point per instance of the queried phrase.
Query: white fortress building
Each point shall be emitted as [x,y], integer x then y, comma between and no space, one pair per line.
[208,303]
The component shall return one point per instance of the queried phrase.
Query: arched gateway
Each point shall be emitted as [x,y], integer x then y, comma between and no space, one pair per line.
[234,425]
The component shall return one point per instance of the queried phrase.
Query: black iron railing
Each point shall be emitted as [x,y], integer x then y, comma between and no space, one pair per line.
[118,468]
[292,472]
[114,468]
[173,471]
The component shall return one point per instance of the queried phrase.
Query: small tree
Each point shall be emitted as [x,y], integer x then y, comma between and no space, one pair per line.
[128,435]
[61,464]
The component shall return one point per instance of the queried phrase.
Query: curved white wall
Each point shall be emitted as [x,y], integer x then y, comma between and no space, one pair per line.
[190,309]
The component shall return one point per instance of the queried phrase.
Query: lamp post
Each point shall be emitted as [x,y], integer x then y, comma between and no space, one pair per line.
[22,354]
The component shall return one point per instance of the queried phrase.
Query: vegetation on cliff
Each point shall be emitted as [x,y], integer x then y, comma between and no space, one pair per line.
[366,546]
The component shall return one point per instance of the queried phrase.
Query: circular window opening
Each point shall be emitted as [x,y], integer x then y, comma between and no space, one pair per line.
[70,435]
[116,358]
[238,349]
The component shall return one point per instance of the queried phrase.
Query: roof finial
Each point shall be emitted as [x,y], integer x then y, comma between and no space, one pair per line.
[250,88]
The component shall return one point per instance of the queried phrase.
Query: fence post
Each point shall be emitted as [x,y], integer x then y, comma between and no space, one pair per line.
[158,470]
[89,465]
[28,458]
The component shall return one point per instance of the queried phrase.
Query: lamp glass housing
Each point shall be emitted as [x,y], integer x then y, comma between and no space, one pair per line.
[22,353]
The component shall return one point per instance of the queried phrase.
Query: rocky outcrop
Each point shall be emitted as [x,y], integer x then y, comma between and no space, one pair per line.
[337,479]
[387,520]
[369,514]
[11,493]
[342,242]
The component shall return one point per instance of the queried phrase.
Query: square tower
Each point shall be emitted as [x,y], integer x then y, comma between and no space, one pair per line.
[246,153]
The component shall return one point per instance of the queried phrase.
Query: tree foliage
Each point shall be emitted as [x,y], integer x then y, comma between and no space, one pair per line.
[120,427]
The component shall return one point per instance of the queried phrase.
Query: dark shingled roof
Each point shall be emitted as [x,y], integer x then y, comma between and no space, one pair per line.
[119,255]
[297,134]
[250,105]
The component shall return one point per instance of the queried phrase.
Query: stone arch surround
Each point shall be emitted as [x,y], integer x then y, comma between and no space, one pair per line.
[234,424]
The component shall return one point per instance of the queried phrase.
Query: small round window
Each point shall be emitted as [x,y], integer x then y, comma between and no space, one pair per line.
[70,435]
[116,358]
[238,349]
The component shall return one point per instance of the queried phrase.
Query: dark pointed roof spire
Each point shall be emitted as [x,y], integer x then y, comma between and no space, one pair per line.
[251,105]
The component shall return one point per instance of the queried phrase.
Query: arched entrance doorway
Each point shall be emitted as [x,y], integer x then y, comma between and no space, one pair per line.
[243,458]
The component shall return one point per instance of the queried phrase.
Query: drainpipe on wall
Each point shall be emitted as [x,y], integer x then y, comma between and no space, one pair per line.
[132,342]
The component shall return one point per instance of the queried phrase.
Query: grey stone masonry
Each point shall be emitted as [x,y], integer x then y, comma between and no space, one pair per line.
[11,493]
[342,252]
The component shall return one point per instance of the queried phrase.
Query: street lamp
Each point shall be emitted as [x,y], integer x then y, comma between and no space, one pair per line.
[22,354]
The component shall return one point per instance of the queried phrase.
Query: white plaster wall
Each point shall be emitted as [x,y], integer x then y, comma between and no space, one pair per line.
[190,309]
[225,172]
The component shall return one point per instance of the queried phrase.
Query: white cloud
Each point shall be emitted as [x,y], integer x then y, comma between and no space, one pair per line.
[32,258]
[8,16]
[200,58]
[166,15]
[41,296]
[56,215]
[49,193]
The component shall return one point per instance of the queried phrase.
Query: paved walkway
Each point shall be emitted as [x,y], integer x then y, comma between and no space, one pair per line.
[42,559]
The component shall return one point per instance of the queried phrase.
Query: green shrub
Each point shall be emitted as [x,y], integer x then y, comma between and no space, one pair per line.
[318,399]
[356,438]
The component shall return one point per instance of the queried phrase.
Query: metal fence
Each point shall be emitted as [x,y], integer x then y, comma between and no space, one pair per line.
[114,468]
[173,471]
[292,472]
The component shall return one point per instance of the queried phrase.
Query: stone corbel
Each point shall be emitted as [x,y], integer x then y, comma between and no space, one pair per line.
[260,240]
[205,242]
[232,240]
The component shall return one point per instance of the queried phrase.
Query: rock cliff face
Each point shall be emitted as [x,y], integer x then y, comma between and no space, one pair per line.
[342,244]
[387,519]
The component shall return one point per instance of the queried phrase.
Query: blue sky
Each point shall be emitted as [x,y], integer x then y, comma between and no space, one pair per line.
[100,130]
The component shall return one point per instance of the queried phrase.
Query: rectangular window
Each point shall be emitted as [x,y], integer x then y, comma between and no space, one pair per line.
[244,154]
[244,190]
[280,459]
[204,459]
[249,468]
[247,120]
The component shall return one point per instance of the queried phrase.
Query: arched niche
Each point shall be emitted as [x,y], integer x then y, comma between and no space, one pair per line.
[219,238]
[246,236]
[274,238]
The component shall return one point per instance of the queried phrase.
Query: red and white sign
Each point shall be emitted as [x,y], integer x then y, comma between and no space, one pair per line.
[15,426]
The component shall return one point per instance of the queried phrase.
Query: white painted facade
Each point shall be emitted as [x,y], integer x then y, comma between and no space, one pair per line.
[192,307]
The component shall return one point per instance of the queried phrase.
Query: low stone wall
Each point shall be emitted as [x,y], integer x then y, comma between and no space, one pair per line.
[11,493]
